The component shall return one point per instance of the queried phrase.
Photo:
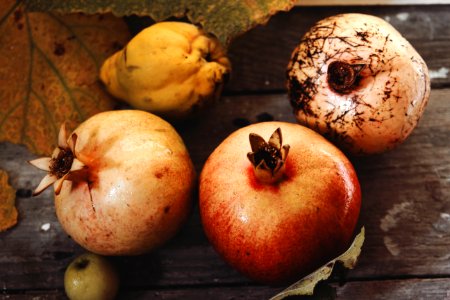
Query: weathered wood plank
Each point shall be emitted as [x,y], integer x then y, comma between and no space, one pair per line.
[430,289]
[406,209]
[260,56]
[371,290]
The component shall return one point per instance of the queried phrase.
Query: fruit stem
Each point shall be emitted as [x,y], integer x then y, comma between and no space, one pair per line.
[343,77]
[82,264]
[268,158]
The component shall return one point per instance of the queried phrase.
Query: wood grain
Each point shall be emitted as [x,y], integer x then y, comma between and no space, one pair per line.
[431,289]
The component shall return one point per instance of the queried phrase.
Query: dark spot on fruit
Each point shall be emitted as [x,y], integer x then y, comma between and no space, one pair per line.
[166,209]
[19,26]
[59,49]
[247,253]
[241,122]
[81,264]
[71,37]
[132,68]
[363,35]
[159,175]
[301,94]
[264,117]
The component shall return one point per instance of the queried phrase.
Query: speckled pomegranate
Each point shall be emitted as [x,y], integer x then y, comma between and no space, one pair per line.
[355,79]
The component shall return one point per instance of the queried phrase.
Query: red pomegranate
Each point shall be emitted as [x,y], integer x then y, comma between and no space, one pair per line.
[276,212]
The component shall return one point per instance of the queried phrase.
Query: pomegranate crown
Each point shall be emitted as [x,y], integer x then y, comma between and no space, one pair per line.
[268,158]
[60,165]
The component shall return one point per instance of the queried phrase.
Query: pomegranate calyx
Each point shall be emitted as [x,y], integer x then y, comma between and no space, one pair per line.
[60,165]
[343,77]
[268,158]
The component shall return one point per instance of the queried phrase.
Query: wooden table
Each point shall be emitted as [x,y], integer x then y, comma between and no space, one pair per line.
[406,192]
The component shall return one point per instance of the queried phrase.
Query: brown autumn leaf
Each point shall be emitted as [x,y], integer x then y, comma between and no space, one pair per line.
[8,211]
[49,71]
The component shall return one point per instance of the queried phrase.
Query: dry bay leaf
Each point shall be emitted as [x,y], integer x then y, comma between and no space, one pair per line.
[306,285]
[8,211]
[225,19]
[49,71]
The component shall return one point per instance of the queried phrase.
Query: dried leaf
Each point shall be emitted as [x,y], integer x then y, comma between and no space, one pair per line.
[225,19]
[49,71]
[306,285]
[8,211]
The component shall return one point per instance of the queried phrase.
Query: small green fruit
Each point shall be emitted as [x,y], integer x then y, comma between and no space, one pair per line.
[91,276]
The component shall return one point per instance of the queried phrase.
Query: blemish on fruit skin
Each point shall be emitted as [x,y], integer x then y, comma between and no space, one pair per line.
[166,209]
[162,172]
[82,264]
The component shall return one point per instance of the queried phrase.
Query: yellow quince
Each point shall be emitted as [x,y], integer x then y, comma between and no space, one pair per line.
[168,69]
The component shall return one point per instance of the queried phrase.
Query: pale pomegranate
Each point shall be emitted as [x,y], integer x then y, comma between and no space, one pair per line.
[123,182]
[355,79]
[277,210]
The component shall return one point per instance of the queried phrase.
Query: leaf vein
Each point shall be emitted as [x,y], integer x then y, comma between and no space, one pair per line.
[61,81]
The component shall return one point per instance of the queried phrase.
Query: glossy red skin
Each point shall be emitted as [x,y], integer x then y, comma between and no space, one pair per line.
[275,234]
